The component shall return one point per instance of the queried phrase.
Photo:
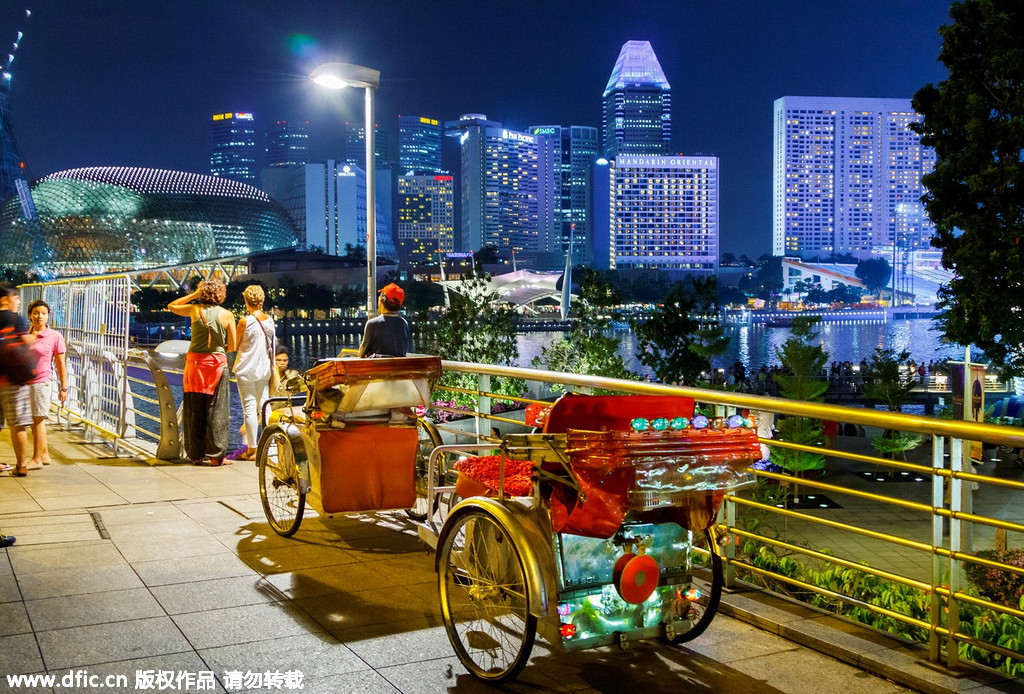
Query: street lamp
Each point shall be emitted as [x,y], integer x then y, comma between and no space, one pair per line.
[339,76]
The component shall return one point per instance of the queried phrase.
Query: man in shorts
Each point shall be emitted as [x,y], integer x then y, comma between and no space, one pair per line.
[15,408]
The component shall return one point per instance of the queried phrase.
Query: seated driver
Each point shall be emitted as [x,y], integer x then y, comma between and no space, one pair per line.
[386,335]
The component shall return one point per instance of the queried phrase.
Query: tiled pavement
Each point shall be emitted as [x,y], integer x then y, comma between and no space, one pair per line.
[122,567]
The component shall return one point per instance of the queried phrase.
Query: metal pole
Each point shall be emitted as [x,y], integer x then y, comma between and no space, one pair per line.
[371,210]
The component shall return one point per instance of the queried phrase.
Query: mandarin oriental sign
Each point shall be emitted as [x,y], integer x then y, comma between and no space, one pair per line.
[668,162]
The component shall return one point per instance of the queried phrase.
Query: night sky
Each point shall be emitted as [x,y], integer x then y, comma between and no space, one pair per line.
[135,83]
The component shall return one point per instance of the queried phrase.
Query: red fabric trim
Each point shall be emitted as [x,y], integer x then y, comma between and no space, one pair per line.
[203,372]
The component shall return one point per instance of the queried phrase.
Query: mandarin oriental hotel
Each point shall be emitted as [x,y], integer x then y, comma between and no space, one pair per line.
[665,213]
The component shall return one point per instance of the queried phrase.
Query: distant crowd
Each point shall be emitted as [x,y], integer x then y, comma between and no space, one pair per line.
[843,376]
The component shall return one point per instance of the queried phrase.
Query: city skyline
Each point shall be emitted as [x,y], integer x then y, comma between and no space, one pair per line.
[102,84]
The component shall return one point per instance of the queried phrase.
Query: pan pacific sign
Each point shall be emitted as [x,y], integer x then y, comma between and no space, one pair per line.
[646,162]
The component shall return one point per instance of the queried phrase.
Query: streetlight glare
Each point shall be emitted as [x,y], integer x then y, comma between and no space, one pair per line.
[339,75]
[330,82]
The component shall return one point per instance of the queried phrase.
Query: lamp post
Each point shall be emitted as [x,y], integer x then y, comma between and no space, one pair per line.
[339,76]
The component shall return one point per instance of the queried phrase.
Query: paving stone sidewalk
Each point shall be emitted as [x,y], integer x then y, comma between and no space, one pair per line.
[121,567]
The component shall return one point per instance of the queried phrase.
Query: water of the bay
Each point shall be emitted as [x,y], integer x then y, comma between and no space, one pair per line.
[754,346]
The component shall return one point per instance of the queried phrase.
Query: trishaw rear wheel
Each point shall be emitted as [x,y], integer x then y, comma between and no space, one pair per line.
[283,503]
[429,439]
[485,603]
[703,609]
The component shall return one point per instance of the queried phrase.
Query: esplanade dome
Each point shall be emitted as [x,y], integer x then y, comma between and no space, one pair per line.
[101,219]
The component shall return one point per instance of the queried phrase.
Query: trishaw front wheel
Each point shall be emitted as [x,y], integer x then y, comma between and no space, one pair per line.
[429,439]
[707,595]
[485,602]
[283,503]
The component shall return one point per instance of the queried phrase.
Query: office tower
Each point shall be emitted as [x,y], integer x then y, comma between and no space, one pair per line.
[287,144]
[665,213]
[335,215]
[233,147]
[426,218]
[502,183]
[574,151]
[602,247]
[355,146]
[637,104]
[847,177]
[419,144]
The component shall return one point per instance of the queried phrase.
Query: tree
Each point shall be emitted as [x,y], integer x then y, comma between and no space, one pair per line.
[588,348]
[682,335]
[767,280]
[356,254]
[803,360]
[476,327]
[886,380]
[731,295]
[874,273]
[975,121]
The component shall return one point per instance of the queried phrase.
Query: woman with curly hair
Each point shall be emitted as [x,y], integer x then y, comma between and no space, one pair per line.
[253,364]
[206,398]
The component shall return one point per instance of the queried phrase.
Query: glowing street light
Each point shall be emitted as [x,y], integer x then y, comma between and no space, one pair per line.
[339,76]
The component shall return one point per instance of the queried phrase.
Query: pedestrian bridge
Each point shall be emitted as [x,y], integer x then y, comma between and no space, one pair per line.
[886,542]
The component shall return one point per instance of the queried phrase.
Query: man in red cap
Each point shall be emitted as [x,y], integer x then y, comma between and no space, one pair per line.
[387,335]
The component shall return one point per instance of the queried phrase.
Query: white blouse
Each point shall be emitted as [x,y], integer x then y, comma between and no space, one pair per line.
[255,350]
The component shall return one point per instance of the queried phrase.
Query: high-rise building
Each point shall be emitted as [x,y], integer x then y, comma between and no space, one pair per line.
[502,184]
[847,177]
[287,144]
[426,218]
[665,213]
[573,153]
[419,144]
[637,104]
[233,147]
[336,210]
[355,146]
[602,248]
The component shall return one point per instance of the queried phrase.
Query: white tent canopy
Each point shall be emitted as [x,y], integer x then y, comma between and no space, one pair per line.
[521,287]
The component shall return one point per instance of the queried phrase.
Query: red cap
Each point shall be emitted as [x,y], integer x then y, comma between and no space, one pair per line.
[393,292]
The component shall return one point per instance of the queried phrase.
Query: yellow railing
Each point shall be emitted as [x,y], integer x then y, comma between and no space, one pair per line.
[913,539]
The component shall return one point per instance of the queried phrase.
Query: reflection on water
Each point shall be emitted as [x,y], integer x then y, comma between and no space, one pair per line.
[754,346]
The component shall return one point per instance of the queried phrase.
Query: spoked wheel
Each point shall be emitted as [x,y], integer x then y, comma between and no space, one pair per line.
[279,483]
[429,439]
[484,600]
[704,607]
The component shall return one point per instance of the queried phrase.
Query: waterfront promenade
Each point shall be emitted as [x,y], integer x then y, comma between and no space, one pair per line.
[123,567]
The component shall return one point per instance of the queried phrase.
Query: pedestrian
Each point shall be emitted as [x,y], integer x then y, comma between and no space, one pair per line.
[15,409]
[205,381]
[831,431]
[386,335]
[289,382]
[253,364]
[50,351]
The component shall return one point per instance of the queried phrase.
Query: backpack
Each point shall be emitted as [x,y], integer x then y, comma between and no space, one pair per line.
[17,362]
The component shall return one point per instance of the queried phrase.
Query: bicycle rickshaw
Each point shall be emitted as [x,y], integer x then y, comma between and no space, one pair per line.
[359,445]
[586,533]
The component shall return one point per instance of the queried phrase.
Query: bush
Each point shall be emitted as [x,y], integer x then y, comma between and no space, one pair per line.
[1003,587]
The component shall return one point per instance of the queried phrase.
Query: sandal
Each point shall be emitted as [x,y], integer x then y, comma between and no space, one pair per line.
[20,471]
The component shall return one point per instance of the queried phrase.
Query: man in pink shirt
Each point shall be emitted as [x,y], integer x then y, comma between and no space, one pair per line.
[50,349]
